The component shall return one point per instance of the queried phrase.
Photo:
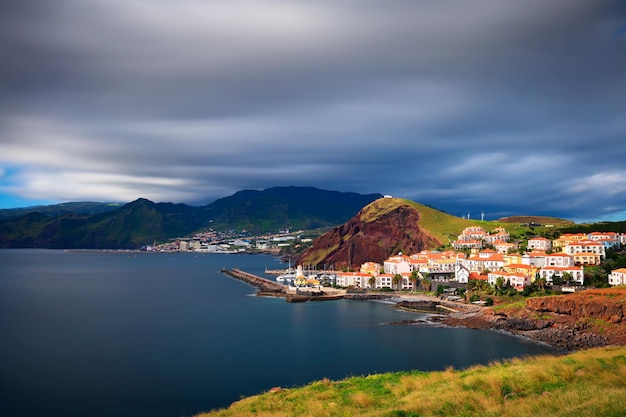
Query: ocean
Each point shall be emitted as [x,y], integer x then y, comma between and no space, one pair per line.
[143,334]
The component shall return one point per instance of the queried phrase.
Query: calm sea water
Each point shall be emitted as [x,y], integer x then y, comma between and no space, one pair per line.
[108,334]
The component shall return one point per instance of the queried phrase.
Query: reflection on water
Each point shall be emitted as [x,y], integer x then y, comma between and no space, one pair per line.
[168,335]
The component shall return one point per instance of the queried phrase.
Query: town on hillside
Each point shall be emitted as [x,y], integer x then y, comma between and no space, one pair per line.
[213,241]
[476,256]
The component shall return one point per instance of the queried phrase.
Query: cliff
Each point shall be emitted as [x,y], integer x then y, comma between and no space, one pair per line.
[571,322]
[382,228]
[607,304]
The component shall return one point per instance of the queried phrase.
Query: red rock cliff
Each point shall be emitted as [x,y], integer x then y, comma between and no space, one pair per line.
[604,304]
[371,237]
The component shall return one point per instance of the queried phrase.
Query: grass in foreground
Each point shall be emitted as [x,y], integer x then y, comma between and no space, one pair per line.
[586,383]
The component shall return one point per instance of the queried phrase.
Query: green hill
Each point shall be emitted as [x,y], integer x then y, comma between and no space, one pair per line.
[442,226]
[587,383]
[57,210]
[535,220]
[127,227]
[141,222]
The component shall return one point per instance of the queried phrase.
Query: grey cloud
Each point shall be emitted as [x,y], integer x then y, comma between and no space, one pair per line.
[462,105]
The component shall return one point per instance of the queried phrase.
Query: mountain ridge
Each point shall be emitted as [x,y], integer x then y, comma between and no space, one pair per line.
[142,221]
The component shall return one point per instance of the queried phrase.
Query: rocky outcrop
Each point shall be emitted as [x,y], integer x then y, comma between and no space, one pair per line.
[603,304]
[570,322]
[371,237]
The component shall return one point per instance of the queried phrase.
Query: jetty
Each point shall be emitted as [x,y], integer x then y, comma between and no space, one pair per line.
[306,271]
[265,286]
[270,288]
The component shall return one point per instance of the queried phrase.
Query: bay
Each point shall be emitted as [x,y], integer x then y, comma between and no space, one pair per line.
[138,334]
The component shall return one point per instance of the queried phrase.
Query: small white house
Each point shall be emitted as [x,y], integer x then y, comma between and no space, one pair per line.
[539,243]
[618,277]
[461,274]
[549,272]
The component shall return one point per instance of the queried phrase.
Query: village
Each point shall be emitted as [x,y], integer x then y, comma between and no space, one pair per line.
[492,259]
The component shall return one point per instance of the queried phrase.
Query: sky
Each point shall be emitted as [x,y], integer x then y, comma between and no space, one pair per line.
[499,107]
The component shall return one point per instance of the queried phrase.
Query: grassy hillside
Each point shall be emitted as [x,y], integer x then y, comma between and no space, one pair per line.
[586,383]
[82,208]
[440,225]
[543,220]
[619,227]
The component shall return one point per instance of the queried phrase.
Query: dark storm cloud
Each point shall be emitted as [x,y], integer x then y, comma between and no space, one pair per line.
[503,106]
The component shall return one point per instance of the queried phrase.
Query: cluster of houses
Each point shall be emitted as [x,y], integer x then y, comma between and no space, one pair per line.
[562,258]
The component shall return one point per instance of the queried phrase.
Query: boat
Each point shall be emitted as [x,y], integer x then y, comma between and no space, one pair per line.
[286,278]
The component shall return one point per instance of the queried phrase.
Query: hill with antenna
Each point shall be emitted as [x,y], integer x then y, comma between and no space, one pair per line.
[382,228]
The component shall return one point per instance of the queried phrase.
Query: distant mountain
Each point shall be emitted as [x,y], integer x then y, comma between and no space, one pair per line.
[142,221]
[127,227]
[58,210]
[537,220]
[382,228]
[279,207]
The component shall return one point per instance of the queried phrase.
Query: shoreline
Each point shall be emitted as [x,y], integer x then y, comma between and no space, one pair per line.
[560,331]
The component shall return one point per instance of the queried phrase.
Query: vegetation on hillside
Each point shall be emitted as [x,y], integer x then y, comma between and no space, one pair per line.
[586,383]
[57,210]
[443,226]
[440,225]
[618,227]
[536,220]
[97,226]
[280,207]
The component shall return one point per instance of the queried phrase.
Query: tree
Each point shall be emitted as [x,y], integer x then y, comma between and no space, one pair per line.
[558,280]
[499,284]
[372,281]
[541,283]
[426,284]
[414,280]
[397,281]
[440,289]
[567,278]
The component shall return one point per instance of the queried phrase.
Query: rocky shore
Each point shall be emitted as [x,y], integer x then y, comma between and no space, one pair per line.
[568,322]
[554,332]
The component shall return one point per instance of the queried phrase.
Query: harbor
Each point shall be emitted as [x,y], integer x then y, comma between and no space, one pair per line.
[291,294]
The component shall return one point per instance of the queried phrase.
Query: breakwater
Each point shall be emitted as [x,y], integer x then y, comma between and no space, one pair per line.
[272,289]
[265,286]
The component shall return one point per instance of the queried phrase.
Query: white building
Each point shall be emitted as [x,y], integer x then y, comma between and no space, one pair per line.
[559,259]
[536,259]
[585,246]
[549,272]
[618,277]
[486,259]
[461,274]
[539,243]
[516,280]
[608,239]
[354,279]
[397,265]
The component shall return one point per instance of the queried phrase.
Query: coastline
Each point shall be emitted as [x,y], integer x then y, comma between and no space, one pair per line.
[554,328]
